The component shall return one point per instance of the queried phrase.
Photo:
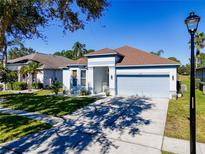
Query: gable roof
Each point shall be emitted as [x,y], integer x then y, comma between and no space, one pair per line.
[48,61]
[81,61]
[133,56]
[104,51]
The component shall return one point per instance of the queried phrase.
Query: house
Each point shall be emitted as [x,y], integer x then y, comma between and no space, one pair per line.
[200,73]
[124,71]
[50,69]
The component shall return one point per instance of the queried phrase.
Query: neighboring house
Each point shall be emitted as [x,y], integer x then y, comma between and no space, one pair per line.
[50,69]
[200,73]
[124,71]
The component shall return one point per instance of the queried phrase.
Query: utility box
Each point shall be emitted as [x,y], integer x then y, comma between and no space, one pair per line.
[204,90]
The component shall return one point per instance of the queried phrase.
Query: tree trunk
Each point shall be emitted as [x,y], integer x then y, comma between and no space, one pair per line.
[29,81]
[3,47]
[4,57]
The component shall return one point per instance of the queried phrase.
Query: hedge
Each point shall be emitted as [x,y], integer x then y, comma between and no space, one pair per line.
[37,85]
[201,84]
[17,86]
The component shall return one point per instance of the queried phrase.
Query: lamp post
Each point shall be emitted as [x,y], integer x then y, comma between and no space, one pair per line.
[192,24]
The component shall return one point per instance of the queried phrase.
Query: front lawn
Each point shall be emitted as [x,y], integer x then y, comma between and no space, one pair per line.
[51,105]
[12,127]
[3,93]
[177,124]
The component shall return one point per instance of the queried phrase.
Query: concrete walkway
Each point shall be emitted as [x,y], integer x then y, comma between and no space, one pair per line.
[33,115]
[112,125]
[181,146]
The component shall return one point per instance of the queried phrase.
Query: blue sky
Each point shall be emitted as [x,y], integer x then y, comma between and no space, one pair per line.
[149,25]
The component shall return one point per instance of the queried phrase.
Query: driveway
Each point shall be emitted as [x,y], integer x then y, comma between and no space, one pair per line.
[112,125]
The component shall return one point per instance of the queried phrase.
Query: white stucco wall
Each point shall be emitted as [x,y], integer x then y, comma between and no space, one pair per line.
[172,72]
[66,79]
[90,79]
[39,76]
[101,61]
[112,80]
[51,75]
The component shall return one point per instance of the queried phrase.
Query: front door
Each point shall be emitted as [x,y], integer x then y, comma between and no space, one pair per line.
[74,78]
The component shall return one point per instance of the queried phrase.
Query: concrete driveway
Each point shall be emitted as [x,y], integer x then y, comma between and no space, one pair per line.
[112,125]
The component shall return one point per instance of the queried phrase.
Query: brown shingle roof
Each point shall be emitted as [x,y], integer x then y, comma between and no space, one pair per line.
[81,61]
[133,56]
[48,61]
[104,51]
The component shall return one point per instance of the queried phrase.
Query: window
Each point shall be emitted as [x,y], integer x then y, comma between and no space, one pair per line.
[74,78]
[83,77]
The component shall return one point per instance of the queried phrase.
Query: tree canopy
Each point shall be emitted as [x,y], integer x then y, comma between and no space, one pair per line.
[174,59]
[77,51]
[17,52]
[21,19]
[157,53]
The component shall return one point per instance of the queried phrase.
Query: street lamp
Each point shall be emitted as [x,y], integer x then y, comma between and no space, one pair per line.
[192,22]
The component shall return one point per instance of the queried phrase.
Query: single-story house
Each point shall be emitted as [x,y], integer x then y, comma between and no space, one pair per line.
[123,71]
[200,73]
[50,69]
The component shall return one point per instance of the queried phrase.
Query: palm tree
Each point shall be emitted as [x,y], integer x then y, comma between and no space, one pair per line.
[199,41]
[78,50]
[158,53]
[30,70]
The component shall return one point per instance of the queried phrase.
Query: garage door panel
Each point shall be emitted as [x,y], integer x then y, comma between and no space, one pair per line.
[143,85]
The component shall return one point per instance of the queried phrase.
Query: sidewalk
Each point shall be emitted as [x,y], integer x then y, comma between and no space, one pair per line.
[181,146]
[36,116]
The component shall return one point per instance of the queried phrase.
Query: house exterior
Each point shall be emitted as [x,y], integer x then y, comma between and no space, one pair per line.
[124,71]
[50,69]
[200,73]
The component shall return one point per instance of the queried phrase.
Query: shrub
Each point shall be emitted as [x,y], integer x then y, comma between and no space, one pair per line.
[1,87]
[197,83]
[107,92]
[55,86]
[84,92]
[201,84]
[37,85]
[17,86]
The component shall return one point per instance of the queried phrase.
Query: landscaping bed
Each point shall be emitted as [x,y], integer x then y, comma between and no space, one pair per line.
[177,124]
[13,126]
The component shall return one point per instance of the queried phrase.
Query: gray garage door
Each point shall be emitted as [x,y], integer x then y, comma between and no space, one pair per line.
[143,85]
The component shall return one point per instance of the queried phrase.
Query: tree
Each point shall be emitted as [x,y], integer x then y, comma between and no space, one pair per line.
[184,69]
[7,76]
[30,70]
[174,59]
[21,19]
[65,53]
[158,53]
[20,52]
[199,41]
[78,50]
[201,60]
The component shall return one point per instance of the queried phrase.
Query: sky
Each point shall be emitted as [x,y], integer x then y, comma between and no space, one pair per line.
[149,25]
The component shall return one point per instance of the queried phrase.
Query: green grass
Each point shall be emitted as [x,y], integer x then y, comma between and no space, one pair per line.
[44,92]
[177,124]
[51,105]
[3,93]
[12,127]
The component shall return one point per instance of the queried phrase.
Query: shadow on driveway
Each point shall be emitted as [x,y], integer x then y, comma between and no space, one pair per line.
[88,126]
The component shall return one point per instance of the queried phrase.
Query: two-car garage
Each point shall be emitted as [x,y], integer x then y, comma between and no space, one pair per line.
[143,85]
